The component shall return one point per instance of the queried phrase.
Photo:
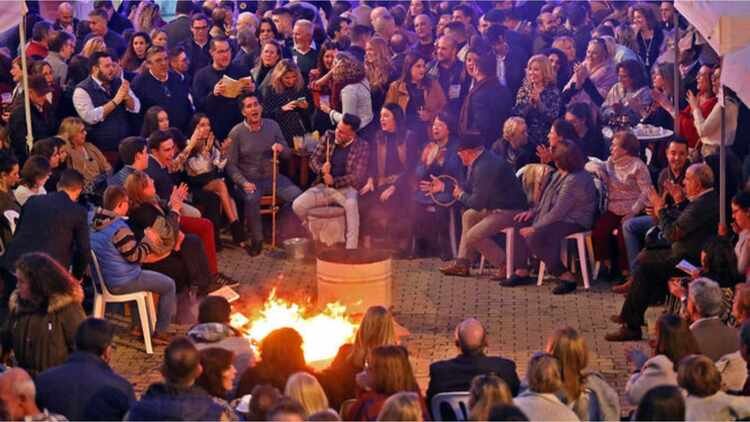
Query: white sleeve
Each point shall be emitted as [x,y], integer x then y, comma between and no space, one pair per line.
[85,107]
[136,102]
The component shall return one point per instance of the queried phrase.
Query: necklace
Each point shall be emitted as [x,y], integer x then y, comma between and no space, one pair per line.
[648,47]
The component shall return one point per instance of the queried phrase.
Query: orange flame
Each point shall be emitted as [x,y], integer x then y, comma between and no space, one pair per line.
[322,334]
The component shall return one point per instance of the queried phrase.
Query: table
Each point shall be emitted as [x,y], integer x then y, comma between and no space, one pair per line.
[298,168]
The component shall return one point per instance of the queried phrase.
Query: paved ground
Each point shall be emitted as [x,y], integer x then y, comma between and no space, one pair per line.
[518,320]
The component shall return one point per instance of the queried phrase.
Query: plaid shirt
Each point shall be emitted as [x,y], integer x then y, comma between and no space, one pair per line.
[356,161]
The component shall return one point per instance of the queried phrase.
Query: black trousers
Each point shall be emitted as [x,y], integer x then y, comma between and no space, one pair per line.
[650,284]
[188,266]
[546,244]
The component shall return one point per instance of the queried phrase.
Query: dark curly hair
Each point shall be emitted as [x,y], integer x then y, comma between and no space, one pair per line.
[46,277]
[214,361]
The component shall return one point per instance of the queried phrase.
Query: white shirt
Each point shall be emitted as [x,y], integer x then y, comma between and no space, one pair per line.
[709,127]
[93,115]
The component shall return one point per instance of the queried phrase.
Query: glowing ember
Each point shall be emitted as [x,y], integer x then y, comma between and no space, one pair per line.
[322,333]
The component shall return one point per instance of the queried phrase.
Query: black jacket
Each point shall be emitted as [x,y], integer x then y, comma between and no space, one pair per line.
[84,388]
[178,30]
[485,109]
[43,125]
[492,184]
[515,69]
[456,374]
[174,403]
[690,228]
[172,95]
[55,225]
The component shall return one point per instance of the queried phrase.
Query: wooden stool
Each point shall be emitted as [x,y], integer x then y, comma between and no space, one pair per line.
[327,225]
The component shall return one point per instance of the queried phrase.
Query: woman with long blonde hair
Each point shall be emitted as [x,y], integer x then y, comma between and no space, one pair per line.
[379,69]
[82,156]
[376,329]
[285,99]
[486,392]
[306,390]
[572,354]
[538,100]
[402,407]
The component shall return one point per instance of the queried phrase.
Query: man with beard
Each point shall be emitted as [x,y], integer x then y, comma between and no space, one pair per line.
[102,101]
[449,72]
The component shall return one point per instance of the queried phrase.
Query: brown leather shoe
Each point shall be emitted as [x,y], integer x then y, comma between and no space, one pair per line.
[456,270]
[623,288]
[624,334]
[616,319]
[499,275]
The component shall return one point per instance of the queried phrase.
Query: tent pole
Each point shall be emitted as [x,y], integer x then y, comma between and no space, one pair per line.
[25,78]
[722,166]
[677,75]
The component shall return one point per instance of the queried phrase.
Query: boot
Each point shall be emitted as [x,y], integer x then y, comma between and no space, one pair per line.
[238,232]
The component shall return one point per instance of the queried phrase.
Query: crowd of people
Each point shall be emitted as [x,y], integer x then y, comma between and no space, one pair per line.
[508,124]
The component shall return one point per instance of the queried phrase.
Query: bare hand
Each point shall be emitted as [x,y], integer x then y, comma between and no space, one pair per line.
[526,231]
[368,187]
[290,106]
[657,202]
[676,289]
[178,243]
[325,107]
[277,148]
[524,216]
[437,184]
[248,187]
[326,168]
[328,179]
[219,88]
[544,154]
[122,92]
[302,104]
[675,191]
[386,195]
[457,191]
[692,100]
[247,85]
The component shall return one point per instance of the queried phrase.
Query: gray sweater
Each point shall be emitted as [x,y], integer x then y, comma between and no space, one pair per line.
[570,198]
[250,157]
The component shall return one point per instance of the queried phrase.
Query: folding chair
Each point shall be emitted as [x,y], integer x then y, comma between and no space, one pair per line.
[268,203]
[144,300]
[457,401]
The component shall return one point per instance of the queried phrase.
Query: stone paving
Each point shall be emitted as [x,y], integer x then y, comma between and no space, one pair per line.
[429,305]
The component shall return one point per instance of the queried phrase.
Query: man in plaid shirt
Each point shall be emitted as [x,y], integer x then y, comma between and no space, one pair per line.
[341,162]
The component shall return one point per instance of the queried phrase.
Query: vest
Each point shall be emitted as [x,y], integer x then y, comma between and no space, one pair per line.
[116,271]
[108,133]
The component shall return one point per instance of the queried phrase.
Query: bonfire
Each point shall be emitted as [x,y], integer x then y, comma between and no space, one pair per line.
[323,333]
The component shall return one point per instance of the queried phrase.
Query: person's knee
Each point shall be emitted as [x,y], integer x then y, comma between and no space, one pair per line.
[351,205]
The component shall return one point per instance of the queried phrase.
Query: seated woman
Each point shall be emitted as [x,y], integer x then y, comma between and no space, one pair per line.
[281,356]
[404,406]
[204,167]
[593,78]
[217,377]
[419,96]
[157,118]
[51,149]
[285,100]
[514,146]
[566,207]
[540,402]
[46,307]
[270,55]
[630,98]
[674,341]
[628,186]
[388,372]
[120,257]
[538,100]
[559,131]
[703,101]
[661,112]
[34,174]
[486,392]
[376,329]
[583,119]
[708,125]
[384,198]
[705,401]
[184,257]
[83,156]
[438,158]
[587,393]
[741,226]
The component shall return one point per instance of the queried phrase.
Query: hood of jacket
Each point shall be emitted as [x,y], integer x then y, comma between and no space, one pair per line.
[211,332]
[56,302]
[102,218]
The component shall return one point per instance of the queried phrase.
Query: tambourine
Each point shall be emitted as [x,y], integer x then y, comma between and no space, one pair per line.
[446,180]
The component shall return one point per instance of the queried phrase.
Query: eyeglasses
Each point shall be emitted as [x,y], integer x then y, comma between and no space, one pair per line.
[200,28]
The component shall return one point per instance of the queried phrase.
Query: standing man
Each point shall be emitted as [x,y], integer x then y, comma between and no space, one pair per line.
[197,48]
[210,92]
[304,53]
[341,163]
[425,45]
[339,30]
[179,63]
[158,86]
[178,29]
[62,45]
[250,166]
[282,18]
[98,25]
[102,101]
[115,21]
[38,47]
[449,72]
[43,121]
[493,196]
[511,62]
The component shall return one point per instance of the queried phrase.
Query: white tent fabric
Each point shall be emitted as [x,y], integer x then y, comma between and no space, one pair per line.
[11,14]
[724,25]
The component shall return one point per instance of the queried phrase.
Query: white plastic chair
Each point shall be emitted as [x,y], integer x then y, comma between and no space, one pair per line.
[458,402]
[144,300]
[509,253]
[585,247]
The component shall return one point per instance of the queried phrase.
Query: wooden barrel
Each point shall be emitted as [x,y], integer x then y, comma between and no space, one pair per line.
[356,278]
[327,225]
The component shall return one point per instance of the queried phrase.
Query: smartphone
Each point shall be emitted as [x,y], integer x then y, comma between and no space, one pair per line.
[301,99]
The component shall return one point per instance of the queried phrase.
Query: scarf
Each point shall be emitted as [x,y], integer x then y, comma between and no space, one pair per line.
[622,168]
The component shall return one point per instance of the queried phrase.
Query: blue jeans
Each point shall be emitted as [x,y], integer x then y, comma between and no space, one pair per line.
[634,231]
[286,192]
[152,281]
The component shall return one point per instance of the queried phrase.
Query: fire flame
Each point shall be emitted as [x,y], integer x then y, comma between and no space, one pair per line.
[322,333]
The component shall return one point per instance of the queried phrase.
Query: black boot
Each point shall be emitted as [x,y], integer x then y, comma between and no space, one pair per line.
[238,232]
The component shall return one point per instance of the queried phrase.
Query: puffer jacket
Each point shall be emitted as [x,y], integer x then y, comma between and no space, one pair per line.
[42,338]
[164,401]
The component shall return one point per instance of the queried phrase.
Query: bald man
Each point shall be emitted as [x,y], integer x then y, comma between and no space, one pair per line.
[456,374]
[18,398]
[67,21]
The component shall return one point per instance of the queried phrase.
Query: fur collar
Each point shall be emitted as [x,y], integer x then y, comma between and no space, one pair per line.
[18,306]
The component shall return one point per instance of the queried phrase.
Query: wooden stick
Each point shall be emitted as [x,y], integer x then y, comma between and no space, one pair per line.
[273,198]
